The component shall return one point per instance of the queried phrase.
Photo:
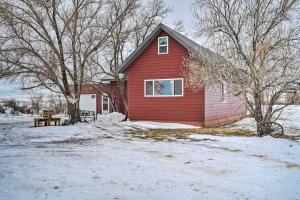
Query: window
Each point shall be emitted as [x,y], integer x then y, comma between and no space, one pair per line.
[164,87]
[223,92]
[149,88]
[178,87]
[163,45]
[105,104]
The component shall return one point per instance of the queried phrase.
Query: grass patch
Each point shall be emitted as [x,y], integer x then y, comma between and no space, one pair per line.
[171,134]
[289,137]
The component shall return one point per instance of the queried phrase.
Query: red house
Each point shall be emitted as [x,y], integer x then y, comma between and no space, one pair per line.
[156,90]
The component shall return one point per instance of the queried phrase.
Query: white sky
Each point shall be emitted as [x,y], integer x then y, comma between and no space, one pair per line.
[6,89]
[180,10]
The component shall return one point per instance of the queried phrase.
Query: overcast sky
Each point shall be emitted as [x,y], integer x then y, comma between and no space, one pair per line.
[180,10]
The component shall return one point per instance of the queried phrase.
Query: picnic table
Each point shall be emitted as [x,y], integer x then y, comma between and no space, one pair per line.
[46,119]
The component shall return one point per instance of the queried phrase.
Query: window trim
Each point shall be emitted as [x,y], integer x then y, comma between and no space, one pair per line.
[224,92]
[167,45]
[162,79]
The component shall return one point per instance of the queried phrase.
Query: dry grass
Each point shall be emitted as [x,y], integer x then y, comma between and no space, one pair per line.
[170,134]
[289,137]
[292,165]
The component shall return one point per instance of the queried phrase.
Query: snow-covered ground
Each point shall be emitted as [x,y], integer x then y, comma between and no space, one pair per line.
[116,119]
[290,120]
[21,118]
[7,118]
[102,160]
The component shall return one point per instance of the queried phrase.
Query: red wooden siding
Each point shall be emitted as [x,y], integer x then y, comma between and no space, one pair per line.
[151,65]
[216,109]
[114,91]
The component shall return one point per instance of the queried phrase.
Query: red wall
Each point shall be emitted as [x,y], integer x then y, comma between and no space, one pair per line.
[215,108]
[114,91]
[150,65]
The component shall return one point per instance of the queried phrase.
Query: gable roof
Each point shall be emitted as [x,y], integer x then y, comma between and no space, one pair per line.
[187,43]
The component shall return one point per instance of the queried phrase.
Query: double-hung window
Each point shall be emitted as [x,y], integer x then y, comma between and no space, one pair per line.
[163,45]
[224,92]
[164,87]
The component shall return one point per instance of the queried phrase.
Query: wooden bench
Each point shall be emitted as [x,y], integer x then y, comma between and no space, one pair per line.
[47,119]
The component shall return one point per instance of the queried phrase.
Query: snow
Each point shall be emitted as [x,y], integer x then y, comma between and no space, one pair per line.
[102,160]
[156,125]
[115,117]
[7,118]
[290,120]
[21,118]
[111,117]
[54,133]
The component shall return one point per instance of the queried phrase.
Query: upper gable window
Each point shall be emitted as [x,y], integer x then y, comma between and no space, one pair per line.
[163,45]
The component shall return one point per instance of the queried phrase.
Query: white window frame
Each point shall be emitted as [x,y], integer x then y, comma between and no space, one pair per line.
[102,103]
[168,79]
[167,45]
[224,92]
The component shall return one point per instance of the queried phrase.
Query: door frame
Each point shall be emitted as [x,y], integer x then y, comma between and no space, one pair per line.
[108,102]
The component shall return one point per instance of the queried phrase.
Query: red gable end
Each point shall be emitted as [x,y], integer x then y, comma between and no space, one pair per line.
[151,65]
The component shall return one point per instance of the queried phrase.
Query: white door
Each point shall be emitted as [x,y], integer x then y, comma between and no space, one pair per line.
[88,102]
[105,104]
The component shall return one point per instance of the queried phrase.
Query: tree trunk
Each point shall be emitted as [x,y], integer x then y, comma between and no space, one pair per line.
[121,86]
[263,117]
[74,113]
[126,117]
[258,115]
[114,105]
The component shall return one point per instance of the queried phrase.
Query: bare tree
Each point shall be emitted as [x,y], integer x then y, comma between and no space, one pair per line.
[147,17]
[49,43]
[179,26]
[130,32]
[37,101]
[260,41]
[12,103]
[56,103]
